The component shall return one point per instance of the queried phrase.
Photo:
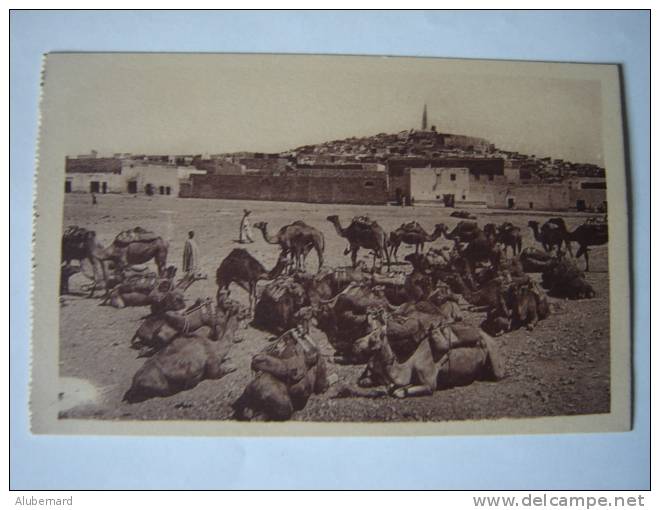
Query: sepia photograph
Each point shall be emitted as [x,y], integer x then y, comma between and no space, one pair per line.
[286,244]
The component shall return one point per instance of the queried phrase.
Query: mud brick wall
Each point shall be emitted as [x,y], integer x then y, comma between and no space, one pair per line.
[362,189]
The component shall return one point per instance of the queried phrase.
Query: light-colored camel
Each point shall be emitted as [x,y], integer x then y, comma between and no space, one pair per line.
[363,235]
[416,238]
[137,252]
[448,357]
[243,269]
[296,239]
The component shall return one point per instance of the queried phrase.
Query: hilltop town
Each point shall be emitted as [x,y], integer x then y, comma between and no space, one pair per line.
[416,166]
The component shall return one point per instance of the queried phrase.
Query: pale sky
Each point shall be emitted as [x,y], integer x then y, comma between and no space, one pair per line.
[188,104]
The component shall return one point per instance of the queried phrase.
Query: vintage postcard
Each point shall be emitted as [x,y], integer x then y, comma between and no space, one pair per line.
[329,245]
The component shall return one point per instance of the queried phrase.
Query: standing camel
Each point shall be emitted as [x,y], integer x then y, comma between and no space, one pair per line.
[244,270]
[463,232]
[510,236]
[587,234]
[549,235]
[296,239]
[415,237]
[362,235]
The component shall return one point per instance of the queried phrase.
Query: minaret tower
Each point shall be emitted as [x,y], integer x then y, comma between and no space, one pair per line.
[424,119]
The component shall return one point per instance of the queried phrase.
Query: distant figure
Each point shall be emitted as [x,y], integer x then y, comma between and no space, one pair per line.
[190,254]
[245,234]
[94,201]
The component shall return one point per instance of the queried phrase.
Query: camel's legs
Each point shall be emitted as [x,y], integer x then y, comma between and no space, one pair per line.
[412,391]
[586,258]
[354,251]
[253,297]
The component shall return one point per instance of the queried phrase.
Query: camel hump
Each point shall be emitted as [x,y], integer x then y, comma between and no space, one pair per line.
[135,235]
[411,226]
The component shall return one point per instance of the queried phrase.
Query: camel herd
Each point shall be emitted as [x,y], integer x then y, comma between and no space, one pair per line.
[405,327]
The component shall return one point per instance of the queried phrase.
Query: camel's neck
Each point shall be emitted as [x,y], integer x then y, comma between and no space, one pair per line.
[390,366]
[338,228]
[267,237]
[435,235]
[277,269]
[535,230]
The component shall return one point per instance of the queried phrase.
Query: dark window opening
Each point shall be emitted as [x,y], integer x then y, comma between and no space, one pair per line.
[452,177]
[580,205]
[168,190]
[369,184]
[132,187]
[67,186]
[593,185]
[510,203]
[104,187]
[161,190]
[94,187]
[531,205]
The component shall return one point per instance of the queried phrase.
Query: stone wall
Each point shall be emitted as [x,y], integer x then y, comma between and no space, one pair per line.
[367,188]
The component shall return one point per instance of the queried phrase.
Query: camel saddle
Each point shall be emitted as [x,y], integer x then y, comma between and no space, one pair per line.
[445,338]
[287,359]
[363,222]
[135,235]
[411,226]
[77,235]
[278,288]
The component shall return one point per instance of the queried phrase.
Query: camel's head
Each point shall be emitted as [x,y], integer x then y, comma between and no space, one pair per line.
[169,272]
[533,224]
[333,218]
[490,229]
[373,341]
[261,225]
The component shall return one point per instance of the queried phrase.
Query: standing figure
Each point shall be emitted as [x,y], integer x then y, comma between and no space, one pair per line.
[190,254]
[245,234]
[94,201]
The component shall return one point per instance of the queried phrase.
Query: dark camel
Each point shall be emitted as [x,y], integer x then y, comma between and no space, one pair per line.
[463,232]
[510,236]
[81,244]
[586,235]
[416,237]
[277,305]
[244,270]
[287,372]
[549,235]
[296,239]
[361,235]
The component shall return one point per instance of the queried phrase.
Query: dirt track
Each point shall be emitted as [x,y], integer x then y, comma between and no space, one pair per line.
[560,368]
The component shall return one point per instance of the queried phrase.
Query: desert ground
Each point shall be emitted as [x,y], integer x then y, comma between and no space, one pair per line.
[560,368]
